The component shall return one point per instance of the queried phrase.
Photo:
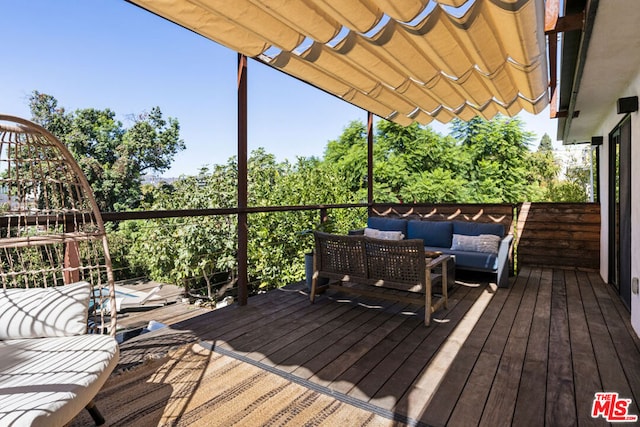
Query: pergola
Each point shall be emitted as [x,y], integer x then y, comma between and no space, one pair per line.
[406,61]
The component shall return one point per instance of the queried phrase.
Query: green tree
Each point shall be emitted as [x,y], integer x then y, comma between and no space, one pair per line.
[402,157]
[436,186]
[545,144]
[499,159]
[194,250]
[544,169]
[113,158]
[349,155]
[187,250]
[416,154]
[573,187]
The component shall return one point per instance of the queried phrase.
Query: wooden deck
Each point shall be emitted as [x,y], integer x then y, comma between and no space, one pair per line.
[174,311]
[533,354]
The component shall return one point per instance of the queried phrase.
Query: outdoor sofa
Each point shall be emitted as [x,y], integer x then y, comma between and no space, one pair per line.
[476,246]
[376,263]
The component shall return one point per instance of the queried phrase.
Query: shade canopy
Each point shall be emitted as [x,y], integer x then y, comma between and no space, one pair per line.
[403,60]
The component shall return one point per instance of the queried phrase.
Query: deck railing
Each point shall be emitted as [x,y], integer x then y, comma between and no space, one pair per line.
[551,234]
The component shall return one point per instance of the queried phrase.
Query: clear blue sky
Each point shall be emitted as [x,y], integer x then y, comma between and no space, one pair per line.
[111,54]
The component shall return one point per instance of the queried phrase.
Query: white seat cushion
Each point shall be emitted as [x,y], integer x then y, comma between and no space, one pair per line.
[44,312]
[48,381]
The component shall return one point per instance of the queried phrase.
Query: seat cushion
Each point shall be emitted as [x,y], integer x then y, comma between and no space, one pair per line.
[44,312]
[433,233]
[482,261]
[383,235]
[481,243]
[387,224]
[477,228]
[48,381]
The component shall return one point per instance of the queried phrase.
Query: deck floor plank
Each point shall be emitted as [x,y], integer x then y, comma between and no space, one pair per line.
[560,403]
[530,403]
[402,363]
[470,404]
[601,289]
[585,367]
[295,315]
[305,348]
[356,347]
[414,399]
[263,349]
[536,356]
[611,371]
[332,355]
[500,404]
[623,374]
[443,403]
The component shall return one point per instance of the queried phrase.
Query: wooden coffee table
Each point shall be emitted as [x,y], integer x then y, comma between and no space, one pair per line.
[437,270]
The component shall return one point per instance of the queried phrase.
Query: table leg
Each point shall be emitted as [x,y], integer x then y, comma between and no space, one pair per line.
[427,297]
[445,282]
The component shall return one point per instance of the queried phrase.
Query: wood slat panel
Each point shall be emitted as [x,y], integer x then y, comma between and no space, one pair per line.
[563,262]
[493,213]
[559,234]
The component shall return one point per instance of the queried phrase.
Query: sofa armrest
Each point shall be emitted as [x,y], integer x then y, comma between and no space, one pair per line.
[503,261]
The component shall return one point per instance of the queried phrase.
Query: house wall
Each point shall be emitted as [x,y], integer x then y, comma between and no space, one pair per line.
[609,123]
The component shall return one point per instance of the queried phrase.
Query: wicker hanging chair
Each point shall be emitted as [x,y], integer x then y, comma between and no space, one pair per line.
[51,230]
[55,352]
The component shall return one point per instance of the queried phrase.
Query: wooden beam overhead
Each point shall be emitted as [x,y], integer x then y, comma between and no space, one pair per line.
[566,23]
[564,113]
[551,14]
[554,24]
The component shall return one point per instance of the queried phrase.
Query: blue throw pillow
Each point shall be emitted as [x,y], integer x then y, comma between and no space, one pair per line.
[433,233]
[387,224]
[477,228]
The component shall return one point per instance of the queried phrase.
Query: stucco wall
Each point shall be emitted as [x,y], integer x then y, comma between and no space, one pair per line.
[605,128]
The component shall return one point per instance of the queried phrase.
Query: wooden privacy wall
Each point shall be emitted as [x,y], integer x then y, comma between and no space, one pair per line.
[546,234]
[495,213]
[559,234]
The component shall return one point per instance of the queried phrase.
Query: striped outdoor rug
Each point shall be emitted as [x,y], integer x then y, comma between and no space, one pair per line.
[193,386]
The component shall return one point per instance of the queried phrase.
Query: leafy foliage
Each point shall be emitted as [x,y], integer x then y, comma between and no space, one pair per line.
[480,162]
[113,158]
[484,162]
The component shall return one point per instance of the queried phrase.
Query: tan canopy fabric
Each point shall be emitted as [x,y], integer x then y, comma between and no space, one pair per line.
[403,60]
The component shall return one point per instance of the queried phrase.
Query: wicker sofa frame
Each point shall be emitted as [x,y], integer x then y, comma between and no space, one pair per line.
[399,264]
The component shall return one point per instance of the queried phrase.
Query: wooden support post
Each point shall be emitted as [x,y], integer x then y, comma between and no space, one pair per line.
[71,272]
[370,160]
[242,181]
[71,263]
[324,216]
